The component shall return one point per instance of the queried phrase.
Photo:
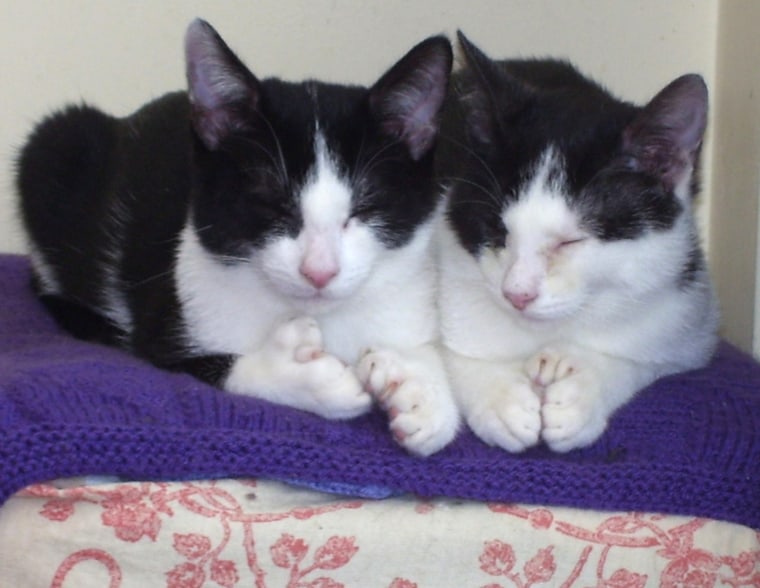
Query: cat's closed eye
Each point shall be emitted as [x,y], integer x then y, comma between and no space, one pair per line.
[570,242]
[369,206]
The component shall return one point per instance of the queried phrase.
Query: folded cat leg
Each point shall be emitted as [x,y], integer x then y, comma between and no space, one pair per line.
[292,368]
[497,401]
[580,390]
[412,388]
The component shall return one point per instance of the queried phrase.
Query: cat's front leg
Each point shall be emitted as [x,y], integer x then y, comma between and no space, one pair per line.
[497,400]
[292,368]
[580,390]
[412,387]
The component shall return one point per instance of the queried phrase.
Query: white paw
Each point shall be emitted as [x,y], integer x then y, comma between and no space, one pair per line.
[292,368]
[299,339]
[423,417]
[508,416]
[573,412]
[549,366]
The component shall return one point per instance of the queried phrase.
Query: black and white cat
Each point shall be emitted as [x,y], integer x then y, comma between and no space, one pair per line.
[270,237]
[571,269]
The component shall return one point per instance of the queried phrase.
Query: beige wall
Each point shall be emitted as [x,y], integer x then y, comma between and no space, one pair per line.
[119,54]
[736,171]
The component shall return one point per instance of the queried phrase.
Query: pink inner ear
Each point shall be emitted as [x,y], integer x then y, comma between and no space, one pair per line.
[220,88]
[212,125]
[420,126]
[408,98]
[665,137]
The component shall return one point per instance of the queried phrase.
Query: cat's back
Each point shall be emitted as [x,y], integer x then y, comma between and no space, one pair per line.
[550,74]
[89,184]
[73,156]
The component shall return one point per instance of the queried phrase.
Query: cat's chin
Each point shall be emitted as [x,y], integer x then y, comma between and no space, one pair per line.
[317,301]
[545,315]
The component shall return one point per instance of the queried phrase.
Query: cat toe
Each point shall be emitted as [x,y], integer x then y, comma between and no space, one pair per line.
[572,416]
[337,390]
[381,373]
[421,421]
[549,366]
[301,334]
[511,421]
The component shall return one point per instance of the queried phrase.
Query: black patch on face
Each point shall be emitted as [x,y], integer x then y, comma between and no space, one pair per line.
[620,204]
[391,192]
[249,189]
[501,120]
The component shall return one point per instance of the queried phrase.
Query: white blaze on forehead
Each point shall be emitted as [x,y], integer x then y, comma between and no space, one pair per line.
[541,212]
[325,205]
[325,198]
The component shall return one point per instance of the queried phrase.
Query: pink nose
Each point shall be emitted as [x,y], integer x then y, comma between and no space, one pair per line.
[319,278]
[520,300]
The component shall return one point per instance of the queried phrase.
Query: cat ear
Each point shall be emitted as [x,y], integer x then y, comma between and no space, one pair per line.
[407,99]
[666,136]
[486,91]
[223,93]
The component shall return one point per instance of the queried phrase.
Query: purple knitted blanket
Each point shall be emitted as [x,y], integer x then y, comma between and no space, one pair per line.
[689,444]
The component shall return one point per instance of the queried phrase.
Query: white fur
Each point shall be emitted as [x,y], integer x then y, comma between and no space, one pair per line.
[378,301]
[48,281]
[604,320]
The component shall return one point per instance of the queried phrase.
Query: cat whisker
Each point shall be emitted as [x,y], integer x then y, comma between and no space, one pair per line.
[150,279]
[477,158]
[277,161]
[493,201]
[365,167]
[283,165]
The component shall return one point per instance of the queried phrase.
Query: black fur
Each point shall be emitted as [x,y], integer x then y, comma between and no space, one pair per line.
[620,161]
[104,199]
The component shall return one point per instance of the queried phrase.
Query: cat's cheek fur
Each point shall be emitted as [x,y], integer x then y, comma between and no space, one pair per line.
[291,265]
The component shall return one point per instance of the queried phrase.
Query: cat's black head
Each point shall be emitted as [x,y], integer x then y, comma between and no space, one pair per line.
[277,159]
[622,169]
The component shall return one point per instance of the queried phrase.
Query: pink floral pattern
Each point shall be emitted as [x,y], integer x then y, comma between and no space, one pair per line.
[232,544]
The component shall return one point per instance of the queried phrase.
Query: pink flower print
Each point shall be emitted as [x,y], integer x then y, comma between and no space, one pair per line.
[744,563]
[57,509]
[224,572]
[497,559]
[323,583]
[288,552]
[541,518]
[624,579]
[402,583]
[131,520]
[336,553]
[541,566]
[697,570]
[191,545]
[186,575]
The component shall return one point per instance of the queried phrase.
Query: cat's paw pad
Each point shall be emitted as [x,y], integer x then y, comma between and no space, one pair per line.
[510,417]
[422,419]
[572,413]
[549,366]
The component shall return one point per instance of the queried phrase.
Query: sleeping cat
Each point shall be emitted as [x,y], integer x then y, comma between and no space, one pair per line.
[270,237]
[571,269]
